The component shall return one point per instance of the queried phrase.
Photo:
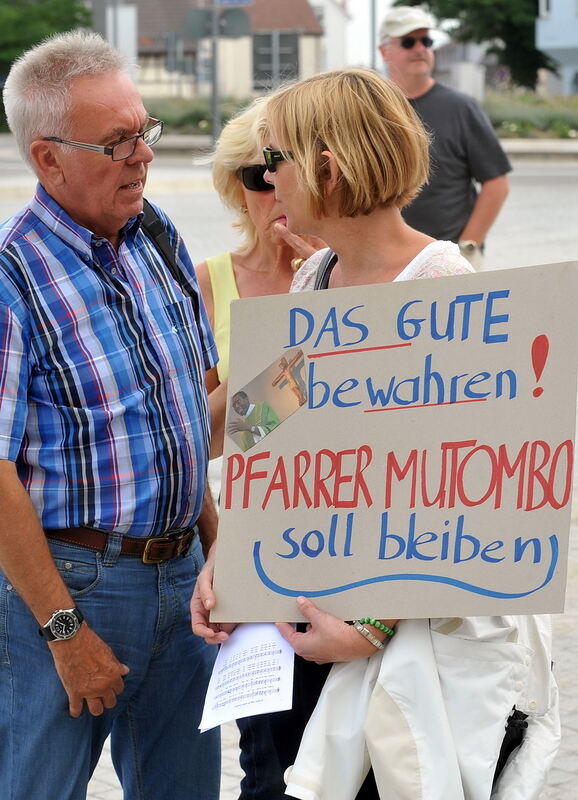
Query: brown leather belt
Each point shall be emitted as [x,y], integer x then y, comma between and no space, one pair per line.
[153,550]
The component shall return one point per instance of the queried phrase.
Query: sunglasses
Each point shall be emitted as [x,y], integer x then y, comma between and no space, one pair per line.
[407,42]
[253,180]
[273,157]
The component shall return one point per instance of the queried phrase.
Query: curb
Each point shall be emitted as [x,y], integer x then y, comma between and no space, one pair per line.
[172,144]
[517,148]
[561,149]
[531,149]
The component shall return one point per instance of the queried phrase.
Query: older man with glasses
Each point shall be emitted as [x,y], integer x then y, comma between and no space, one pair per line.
[464,151]
[103,450]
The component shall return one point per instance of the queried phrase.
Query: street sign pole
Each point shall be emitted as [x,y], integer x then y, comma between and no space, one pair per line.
[215,115]
[235,23]
[372,35]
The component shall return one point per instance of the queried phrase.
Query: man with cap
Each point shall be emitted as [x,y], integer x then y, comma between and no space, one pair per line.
[464,150]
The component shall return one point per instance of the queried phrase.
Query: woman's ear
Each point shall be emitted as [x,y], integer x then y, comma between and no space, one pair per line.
[333,172]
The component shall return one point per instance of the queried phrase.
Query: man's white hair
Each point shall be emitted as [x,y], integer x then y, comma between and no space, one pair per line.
[37,89]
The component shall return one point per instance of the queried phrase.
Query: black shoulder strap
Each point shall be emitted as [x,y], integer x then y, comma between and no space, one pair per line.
[155,229]
[324,270]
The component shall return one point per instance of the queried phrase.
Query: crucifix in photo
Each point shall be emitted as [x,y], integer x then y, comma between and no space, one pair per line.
[288,372]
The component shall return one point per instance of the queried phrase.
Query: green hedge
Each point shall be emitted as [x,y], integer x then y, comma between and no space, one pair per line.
[513,114]
[529,115]
[191,116]
[180,115]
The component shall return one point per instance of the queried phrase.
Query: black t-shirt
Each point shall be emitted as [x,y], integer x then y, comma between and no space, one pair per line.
[464,149]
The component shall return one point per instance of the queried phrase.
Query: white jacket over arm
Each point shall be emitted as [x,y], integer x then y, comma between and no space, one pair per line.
[429,715]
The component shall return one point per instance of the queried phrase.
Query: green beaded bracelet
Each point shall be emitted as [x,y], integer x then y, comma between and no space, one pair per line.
[379,625]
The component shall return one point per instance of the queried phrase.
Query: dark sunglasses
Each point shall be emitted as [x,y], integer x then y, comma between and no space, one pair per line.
[253,180]
[273,157]
[407,42]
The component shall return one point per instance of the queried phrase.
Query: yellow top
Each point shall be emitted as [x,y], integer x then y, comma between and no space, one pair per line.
[224,287]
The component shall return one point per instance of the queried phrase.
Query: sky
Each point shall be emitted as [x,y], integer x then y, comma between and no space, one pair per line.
[358,44]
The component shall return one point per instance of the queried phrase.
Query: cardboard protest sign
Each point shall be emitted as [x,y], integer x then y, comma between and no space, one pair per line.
[409,450]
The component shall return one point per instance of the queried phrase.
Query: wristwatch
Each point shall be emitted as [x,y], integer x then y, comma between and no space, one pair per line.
[62,625]
[468,246]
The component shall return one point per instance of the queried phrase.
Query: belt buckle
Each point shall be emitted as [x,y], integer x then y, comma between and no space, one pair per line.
[147,559]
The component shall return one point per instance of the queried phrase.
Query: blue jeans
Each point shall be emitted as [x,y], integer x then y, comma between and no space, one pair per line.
[142,612]
[263,778]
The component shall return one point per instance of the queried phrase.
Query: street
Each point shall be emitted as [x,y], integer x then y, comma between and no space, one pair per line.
[539,224]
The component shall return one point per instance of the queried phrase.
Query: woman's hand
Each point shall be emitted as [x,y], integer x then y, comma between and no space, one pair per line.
[327,638]
[304,246]
[202,601]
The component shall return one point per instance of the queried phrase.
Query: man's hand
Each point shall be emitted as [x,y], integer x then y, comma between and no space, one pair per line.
[327,639]
[202,601]
[89,672]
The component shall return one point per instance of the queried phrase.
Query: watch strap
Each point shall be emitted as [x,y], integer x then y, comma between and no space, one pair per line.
[468,245]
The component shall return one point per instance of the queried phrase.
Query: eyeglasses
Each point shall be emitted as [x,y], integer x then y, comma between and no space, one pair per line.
[273,157]
[122,149]
[253,180]
[407,42]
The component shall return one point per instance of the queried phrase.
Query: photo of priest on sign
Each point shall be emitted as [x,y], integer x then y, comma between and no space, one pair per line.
[253,421]
[268,399]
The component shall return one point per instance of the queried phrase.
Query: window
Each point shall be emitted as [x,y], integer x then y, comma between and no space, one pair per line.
[275,59]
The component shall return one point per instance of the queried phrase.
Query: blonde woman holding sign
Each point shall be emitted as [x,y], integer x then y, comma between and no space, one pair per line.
[426,707]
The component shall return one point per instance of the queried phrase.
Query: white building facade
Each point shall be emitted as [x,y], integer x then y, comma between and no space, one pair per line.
[557,35]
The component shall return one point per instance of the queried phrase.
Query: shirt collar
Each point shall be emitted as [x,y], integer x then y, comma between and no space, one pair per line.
[62,225]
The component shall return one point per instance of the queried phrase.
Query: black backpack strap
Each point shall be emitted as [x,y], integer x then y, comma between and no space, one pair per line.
[155,229]
[324,270]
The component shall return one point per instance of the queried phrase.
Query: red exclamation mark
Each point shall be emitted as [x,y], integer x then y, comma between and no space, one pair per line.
[540,347]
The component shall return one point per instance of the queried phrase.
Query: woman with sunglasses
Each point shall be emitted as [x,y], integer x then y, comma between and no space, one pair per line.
[346,152]
[264,264]
[266,260]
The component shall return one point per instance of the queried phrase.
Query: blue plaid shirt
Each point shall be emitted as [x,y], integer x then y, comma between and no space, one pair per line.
[102,363]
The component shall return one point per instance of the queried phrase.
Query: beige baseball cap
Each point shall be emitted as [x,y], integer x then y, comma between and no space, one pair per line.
[404,19]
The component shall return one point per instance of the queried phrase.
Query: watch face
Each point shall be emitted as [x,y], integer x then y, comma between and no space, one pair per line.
[64,625]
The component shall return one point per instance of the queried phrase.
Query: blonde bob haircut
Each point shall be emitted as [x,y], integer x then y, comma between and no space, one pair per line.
[365,121]
[239,145]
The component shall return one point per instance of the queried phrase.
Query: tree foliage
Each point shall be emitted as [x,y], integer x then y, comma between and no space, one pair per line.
[24,23]
[508,24]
